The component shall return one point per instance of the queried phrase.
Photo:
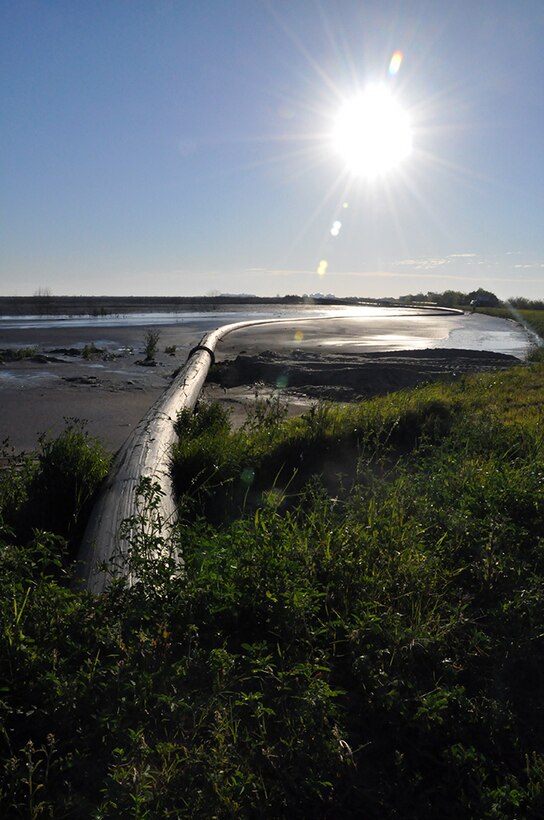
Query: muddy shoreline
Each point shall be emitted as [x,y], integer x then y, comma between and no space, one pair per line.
[341,359]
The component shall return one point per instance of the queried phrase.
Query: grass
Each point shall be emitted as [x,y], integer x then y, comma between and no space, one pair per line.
[356,629]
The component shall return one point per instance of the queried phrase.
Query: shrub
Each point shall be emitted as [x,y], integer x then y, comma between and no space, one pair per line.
[67,474]
[91,351]
[25,352]
[373,650]
[151,340]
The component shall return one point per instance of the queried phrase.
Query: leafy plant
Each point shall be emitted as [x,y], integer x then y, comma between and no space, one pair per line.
[53,490]
[373,648]
[265,412]
[151,343]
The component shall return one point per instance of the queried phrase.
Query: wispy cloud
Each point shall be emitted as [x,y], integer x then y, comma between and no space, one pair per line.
[368,274]
[531,266]
[424,263]
[460,258]
[438,277]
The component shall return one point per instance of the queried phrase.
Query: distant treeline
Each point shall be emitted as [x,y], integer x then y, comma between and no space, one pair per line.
[47,304]
[480,297]
[521,303]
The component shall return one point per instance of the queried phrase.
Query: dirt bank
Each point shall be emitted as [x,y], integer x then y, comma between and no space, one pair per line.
[348,377]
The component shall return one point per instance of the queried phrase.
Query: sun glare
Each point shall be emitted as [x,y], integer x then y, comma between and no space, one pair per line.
[372,133]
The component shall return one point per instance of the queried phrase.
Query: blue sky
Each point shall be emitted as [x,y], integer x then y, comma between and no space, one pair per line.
[183,147]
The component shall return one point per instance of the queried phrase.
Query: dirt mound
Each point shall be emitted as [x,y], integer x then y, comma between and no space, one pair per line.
[345,377]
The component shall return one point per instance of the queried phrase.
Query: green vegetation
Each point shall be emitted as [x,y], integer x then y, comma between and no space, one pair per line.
[151,340]
[25,352]
[91,351]
[483,299]
[17,354]
[52,491]
[452,298]
[522,303]
[356,630]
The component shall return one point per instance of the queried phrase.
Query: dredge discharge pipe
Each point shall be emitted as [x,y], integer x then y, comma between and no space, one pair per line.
[146,452]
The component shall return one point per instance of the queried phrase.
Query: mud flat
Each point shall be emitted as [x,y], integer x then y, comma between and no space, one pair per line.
[341,358]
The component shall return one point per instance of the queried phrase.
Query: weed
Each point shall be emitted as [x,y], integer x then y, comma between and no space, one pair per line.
[265,413]
[25,352]
[151,343]
[53,490]
[17,354]
[372,648]
[208,418]
[91,351]
[28,773]
[153,554]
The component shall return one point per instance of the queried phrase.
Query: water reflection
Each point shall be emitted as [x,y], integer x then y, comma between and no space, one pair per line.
[367,327]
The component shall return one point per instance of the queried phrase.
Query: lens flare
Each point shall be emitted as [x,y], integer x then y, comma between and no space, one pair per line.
[322,267]
[299,336]
[248,475]
[395,64]
[336,227]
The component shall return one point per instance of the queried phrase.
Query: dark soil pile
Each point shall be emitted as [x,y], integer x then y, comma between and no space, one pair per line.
[346,377]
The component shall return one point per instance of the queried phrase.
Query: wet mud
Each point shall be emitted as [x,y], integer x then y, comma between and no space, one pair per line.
[348,377]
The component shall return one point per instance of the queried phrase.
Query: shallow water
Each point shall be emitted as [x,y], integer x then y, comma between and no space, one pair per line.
[210,318]
[15,376]
[480,332]
[364,328]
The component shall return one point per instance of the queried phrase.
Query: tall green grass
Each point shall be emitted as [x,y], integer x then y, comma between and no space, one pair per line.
[355,630]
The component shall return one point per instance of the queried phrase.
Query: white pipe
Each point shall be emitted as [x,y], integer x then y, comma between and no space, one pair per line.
[146,452]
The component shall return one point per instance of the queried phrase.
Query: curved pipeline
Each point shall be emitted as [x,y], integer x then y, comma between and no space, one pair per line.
[146,452]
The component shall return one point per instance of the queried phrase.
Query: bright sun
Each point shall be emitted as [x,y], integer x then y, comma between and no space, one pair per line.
[372,133]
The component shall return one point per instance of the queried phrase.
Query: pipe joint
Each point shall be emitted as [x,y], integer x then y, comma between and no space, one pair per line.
[202,347]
